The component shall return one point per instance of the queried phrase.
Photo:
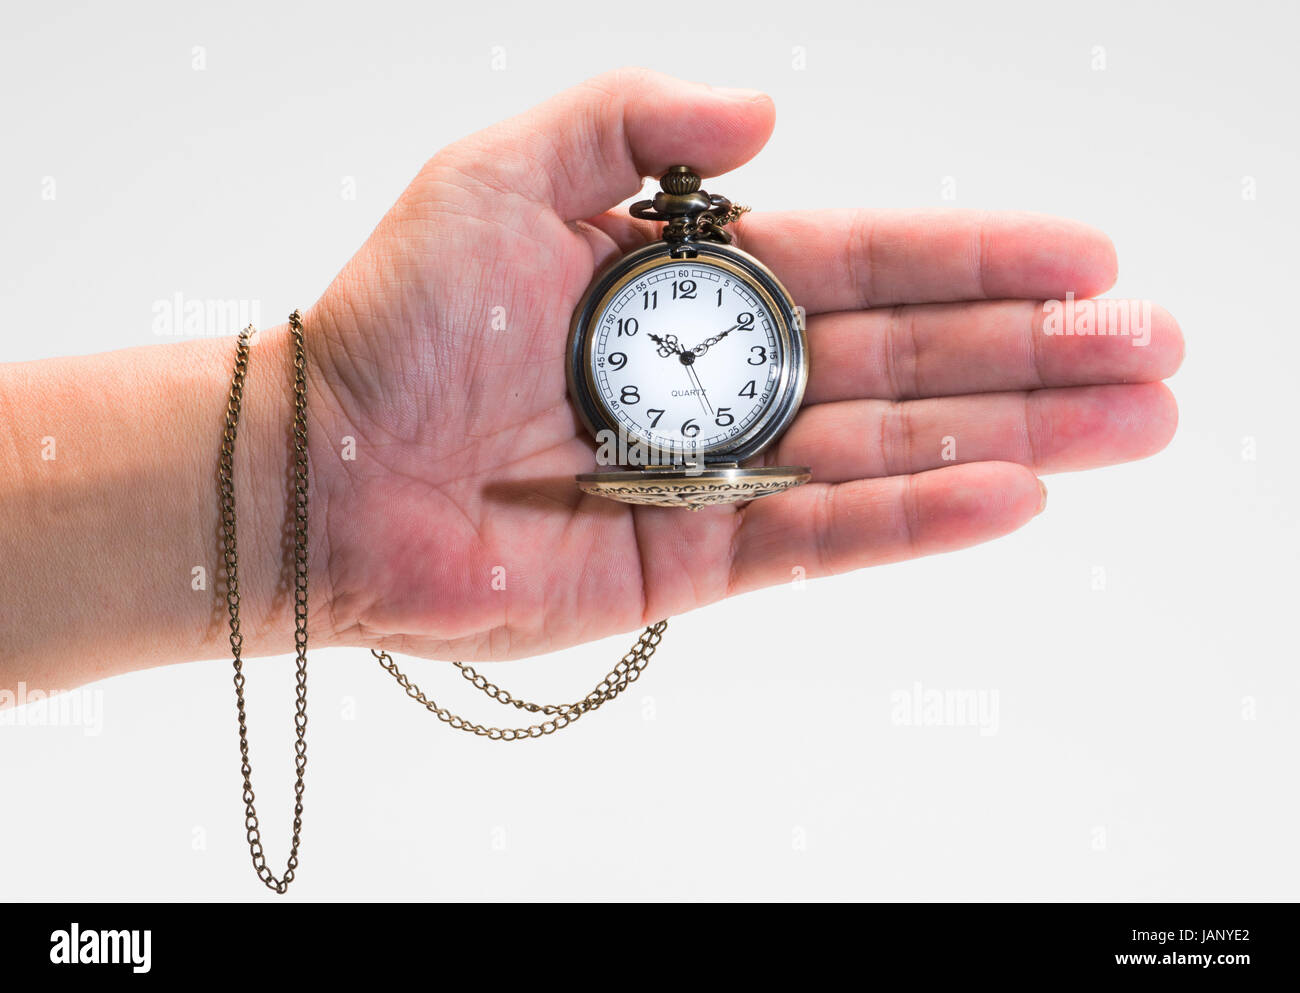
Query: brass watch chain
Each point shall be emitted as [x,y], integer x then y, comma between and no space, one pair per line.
[558,716]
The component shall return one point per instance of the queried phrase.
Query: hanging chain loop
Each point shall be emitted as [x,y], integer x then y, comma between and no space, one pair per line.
[626,672]
[559,716]
[226,473]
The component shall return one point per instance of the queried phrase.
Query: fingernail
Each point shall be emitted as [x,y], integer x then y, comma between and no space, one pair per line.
[733,93]
[1042,500]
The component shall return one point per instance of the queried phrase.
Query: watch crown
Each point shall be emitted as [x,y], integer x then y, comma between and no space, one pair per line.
[679,180]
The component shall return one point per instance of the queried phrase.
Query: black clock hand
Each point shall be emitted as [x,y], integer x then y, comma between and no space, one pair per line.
[704,346]
[668,345]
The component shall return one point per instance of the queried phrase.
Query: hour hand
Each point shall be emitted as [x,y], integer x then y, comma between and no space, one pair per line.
[668,345]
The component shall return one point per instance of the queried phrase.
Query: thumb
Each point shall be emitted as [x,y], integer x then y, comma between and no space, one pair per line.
[588,148]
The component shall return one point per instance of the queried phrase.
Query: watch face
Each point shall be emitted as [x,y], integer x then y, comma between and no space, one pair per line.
[686,355]
[690,357]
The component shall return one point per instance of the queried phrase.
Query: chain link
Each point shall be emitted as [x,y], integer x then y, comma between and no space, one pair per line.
[731,215]
[709,224]
[706,225]
[560,716]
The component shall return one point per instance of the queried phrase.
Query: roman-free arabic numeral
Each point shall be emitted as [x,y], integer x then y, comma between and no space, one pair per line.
[745,321]
[628,326]
[724,418]
[684,289]
[655,414]
[690,429]
[748,390]
[617,360]
[630,394]
[650,300]
[761,358]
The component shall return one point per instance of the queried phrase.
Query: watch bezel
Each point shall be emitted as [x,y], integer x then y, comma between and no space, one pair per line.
[790,331]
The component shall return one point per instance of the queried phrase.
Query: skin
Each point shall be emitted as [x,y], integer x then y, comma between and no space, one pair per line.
[922,325]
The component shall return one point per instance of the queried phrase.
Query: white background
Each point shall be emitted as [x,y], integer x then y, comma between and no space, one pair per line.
[759,757]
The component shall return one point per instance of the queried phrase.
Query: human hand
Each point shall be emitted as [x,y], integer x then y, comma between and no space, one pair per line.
[440,349]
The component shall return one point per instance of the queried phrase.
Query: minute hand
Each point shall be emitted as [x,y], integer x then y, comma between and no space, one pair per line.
[705,345]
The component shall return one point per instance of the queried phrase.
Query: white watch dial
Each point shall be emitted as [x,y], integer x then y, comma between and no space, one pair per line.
[686,357]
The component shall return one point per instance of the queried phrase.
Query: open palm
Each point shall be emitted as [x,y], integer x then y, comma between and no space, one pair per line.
[934,399]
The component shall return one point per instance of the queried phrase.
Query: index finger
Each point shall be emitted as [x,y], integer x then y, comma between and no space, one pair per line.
[855,259]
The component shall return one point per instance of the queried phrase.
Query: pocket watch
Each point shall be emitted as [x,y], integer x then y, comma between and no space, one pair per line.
[686,359]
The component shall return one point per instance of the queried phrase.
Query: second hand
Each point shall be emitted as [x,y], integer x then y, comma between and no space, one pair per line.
[700,391]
